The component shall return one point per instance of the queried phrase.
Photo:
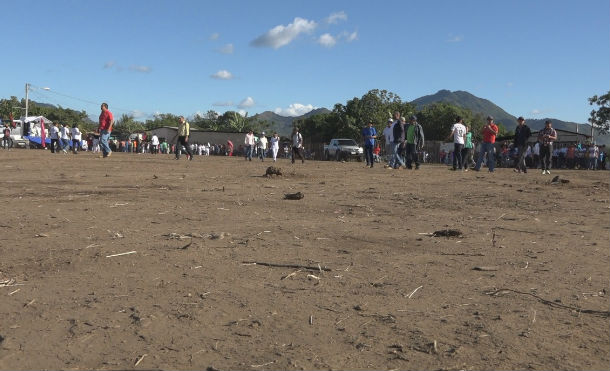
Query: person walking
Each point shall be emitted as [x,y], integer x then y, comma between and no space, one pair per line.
[369,134]
[414,142]
[154,142]
[522,134]
[184,131]
[64,137]
[54,135]
[458,132]
[490,130]
[297,145]
[249,142]
[546,137]
[467,150]
[275,145]
[76,138]
[388,138]
[398,140]
[104,129]
[262,146]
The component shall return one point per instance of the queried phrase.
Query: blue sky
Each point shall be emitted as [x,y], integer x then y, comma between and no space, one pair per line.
[533,58]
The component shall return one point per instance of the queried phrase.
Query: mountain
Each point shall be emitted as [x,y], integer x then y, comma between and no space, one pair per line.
[283,124]
[466,100]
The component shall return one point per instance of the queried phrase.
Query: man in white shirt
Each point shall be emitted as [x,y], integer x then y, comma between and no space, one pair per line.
[297,145]
[155,144]
[262,146]
[249,142]
[64,137]
[76,138]
[389,138]
[458,132]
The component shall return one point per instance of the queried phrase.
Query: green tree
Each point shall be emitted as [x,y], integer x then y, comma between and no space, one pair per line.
[160,120]
[12,105]
[600,117]
[126,125]
[437,119]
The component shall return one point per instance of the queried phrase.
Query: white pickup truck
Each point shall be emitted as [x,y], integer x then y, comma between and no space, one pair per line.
[343,149]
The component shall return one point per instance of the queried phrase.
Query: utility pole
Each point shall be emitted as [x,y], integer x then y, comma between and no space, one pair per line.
[27,90]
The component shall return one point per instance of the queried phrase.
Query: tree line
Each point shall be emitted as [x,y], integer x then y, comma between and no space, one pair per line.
[344,121]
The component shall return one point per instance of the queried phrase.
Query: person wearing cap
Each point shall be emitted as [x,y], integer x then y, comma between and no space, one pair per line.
[490,130]
[388,137]
[458,132]
[262,146]
[414,141]
[522,134]
[546,137]
[369,134]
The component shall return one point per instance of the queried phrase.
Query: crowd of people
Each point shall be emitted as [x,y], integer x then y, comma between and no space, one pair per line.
[404,142]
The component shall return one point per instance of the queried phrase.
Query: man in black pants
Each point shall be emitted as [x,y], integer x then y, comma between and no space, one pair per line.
[183,139]
[546,137]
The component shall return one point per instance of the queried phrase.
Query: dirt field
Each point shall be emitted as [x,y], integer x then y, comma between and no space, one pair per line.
[525,285]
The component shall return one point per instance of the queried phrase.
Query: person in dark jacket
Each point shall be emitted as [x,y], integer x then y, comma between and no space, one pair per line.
[399,139]
[414,141]
[522,134]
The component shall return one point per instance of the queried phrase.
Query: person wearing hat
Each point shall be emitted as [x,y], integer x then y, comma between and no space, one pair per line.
[490,130]
[414,141]
[262,146]
[522,134]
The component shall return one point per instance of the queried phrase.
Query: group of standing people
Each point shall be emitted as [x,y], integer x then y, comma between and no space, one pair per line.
[401,138]
[261,145]
[65,137]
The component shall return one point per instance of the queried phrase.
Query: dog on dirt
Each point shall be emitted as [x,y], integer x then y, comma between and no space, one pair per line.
[272,170]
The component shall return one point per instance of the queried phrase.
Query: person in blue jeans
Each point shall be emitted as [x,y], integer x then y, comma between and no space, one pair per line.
[490,130]
[398,133]
[369,134]
[104,129]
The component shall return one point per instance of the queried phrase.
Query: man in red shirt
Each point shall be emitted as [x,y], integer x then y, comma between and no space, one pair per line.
[490,130]
[105,128]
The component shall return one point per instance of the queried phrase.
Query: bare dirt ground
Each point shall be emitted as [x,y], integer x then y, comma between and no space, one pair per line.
[525,285]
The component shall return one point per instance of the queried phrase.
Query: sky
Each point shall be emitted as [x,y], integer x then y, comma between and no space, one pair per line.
[533,58]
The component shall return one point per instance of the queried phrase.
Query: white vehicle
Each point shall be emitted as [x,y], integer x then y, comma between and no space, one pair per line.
[26,125]
[343,149]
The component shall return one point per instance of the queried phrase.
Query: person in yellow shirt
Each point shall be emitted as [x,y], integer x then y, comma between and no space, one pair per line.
[183,138]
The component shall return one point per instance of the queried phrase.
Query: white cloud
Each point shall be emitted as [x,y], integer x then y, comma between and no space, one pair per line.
[455,38]
[535,112]
[144,69]
[242,112]
[282,35]
[227,49]
[349,37]
[214,36]
[295,109]
[223,104]
[222,75]
[336,17]
[109,64]
[327,40]
[246,103]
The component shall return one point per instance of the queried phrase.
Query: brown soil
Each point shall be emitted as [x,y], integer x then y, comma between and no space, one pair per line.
[523,285]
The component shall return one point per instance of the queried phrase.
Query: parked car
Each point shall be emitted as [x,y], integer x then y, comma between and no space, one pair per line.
[343,149]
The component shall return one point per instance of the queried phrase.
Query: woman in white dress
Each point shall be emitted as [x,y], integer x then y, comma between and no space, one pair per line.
[275,145]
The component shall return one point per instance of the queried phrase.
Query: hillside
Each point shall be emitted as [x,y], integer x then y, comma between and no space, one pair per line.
[466,100]
[283,124]
[486,107]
